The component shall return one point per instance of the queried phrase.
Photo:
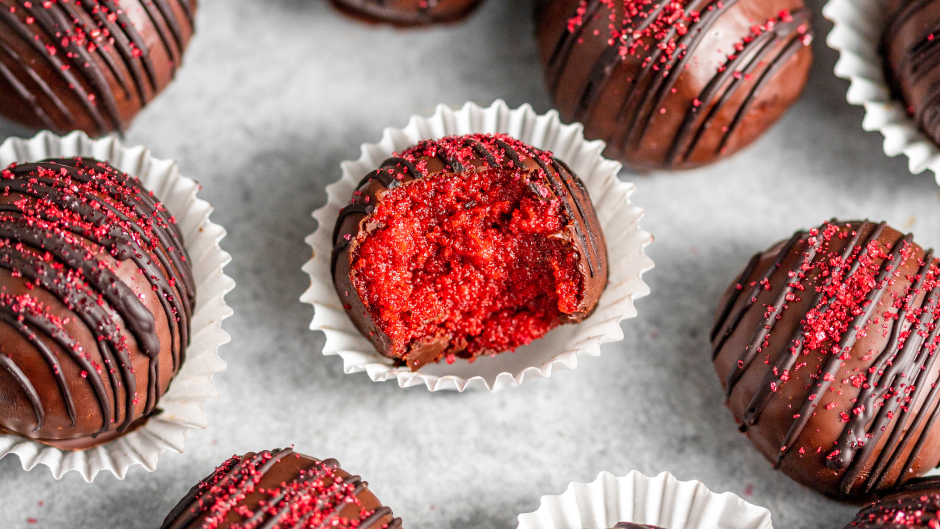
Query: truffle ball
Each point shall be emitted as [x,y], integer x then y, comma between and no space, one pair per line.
[825,346]
[88,65]
[280,488]
[628,525]
[913,506]
[465,246]
[96,295]
[408,12]
[910,52]
[674,85]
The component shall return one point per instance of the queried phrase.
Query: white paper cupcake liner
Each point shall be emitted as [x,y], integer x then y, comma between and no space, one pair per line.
[560,348]
[182,404]
[858,25]
[662,501]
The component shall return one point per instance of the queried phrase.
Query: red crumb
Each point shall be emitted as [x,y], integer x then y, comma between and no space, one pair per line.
[467,258]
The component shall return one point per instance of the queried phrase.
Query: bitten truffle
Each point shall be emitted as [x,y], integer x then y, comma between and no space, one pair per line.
[280,488]
[465,246]
[913,506]
[96,295]
[408,12]
[88,65]
[911,51]
[826,347]
[674,85]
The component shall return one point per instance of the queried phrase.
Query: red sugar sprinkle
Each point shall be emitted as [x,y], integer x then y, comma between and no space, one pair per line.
[317,496]
[637,26]
[843,297]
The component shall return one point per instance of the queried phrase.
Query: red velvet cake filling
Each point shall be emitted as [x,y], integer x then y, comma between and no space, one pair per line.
[468,258]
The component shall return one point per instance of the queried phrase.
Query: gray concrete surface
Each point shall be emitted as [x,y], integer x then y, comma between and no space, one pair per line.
[276,93]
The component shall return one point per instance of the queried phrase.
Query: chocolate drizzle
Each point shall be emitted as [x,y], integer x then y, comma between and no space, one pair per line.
[899,379]
[785,362]
[299,492]
[58,221]
[655,74]
[75,79]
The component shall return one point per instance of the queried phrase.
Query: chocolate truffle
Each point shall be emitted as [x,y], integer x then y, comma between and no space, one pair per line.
[913,506]
[88,65]
[628,525]
[825,346]
[407,12]
[674,85]
[911,54]
[280,488]
[465,246]
[96,295]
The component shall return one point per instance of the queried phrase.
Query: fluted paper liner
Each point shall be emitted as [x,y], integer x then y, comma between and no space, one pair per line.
[559,349]
[858,25]
[182,404]
[662,501]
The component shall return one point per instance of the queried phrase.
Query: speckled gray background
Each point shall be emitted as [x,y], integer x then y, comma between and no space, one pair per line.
[276,93]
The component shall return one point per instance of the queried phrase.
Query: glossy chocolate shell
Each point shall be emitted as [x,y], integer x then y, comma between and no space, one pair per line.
[408,12]
[88,65]
[96,295]
[911,52]
[913,506]
[280,488]
[674,85]
[826,347]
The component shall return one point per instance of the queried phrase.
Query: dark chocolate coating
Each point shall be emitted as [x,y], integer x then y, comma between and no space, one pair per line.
[720,88]
[583,231]
[916,505]
[911,54]
[408,12]
[96,295]
[628,525]
[299,492]
[60,70]
[814,378]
